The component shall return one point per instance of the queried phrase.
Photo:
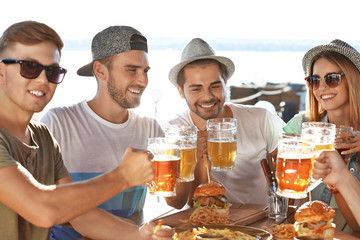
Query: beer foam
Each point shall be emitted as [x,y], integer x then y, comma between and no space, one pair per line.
[222,140]
[295,156]
[164,158]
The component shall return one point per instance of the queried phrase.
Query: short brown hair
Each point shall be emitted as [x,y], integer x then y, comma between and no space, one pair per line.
[201,62]
[29,33]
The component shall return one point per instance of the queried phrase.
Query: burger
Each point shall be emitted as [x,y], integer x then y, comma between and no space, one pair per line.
[210,195]
[315,219]
[210,205]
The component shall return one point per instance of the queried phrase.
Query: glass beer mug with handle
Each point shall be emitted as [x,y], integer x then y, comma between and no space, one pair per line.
[166,163]
[186,138]
[340,131]
[221,143]
[322,136]
[293,167]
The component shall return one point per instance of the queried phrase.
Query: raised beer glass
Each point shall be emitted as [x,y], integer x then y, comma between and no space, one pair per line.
[322,136]
[293,167]
[221,143]
[186,138]
[340,131]
[166,163]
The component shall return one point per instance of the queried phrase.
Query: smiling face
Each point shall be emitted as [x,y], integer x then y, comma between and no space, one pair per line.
[331,99]
[22,94]
[128,78]
[204,90]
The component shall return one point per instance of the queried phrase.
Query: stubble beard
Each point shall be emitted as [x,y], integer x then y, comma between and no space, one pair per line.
[119,97]
[204,114]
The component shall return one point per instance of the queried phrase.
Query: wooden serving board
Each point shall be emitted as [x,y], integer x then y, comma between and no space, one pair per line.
[238,216]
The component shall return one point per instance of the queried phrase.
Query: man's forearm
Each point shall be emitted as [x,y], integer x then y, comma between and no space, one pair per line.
[99,224]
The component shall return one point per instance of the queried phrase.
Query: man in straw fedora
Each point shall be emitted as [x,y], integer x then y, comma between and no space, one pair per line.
[332,73]
[201,78]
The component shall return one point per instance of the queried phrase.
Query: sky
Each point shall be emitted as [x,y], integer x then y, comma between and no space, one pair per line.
[278,19]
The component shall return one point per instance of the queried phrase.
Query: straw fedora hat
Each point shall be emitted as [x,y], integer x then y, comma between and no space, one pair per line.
[335,46]
[199,49]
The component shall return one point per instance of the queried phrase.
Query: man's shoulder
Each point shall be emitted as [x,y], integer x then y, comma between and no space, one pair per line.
[62,111]
[250,109]
[180,118]
[142,117]
[40,129]
[38,126]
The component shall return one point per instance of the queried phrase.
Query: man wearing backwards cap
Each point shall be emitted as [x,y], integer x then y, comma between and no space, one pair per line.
[94,135]
[201,79]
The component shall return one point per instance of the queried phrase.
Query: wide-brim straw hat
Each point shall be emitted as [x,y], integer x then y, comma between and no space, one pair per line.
[198,49]
[335,46]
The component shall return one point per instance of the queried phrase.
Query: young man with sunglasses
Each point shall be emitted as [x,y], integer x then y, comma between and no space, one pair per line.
[95,134]
[36,191]
[201,79]
[333,80]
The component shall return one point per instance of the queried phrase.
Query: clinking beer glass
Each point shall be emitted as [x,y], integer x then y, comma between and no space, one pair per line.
[293,167]
[340,130]
[322,136]
[221,143]
[186,138]
[166,163]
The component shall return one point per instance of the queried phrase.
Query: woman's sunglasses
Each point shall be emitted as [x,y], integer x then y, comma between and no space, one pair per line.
[331,80]
[31,70]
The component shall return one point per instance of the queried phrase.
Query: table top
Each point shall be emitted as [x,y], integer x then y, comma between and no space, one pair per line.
[253,216]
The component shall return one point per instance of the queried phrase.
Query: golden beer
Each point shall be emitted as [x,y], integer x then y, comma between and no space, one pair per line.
[222,154]
[166,173]
[293,174]
[319,147]
[188,159]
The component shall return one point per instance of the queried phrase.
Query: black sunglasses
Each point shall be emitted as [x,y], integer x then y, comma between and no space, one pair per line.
[332,80]
[31,70]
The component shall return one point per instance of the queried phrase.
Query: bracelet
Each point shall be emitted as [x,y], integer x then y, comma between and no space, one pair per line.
[333,190]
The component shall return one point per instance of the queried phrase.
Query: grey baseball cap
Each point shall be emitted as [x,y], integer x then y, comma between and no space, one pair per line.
[111,41]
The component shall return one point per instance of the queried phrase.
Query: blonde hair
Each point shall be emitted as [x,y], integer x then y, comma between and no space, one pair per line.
[314,110]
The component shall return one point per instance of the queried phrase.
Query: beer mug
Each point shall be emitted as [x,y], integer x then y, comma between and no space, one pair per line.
[186,138]
[322,136]
[293,167]
[166,163]
[221,143]
[341,129]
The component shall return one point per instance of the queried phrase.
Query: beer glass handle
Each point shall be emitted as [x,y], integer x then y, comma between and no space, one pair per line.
[314,184]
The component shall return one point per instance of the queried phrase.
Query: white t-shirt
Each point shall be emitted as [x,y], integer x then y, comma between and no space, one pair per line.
[91,146]
[257,134]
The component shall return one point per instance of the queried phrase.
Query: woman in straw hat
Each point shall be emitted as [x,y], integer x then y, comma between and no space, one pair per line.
[333,80]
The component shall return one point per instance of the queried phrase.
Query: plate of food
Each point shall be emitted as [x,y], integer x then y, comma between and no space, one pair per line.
[211,207]
[231,232]
[313,220]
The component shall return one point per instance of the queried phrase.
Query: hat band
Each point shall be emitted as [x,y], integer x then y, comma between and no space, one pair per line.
[139,46]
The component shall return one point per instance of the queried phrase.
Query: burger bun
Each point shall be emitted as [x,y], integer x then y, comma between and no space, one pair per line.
[314,211]
[214,188]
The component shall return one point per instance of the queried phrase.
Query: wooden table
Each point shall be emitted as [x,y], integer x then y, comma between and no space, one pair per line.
[254,216]
[260,220]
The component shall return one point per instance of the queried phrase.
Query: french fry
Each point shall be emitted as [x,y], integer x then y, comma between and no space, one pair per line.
[158,226]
